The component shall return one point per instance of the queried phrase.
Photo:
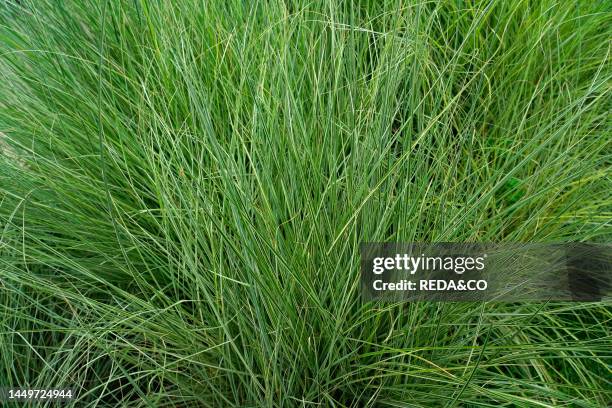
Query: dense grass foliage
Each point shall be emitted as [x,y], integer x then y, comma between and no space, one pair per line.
[184,187]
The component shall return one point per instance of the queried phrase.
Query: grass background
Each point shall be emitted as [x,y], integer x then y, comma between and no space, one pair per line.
[184,187]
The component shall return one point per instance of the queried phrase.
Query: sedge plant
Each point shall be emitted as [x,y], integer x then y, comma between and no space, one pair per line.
[184,187]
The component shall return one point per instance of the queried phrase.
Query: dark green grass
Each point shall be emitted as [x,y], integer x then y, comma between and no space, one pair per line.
[184,187]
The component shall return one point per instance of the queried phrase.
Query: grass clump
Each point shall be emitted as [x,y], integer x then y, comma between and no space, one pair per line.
[184,187]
